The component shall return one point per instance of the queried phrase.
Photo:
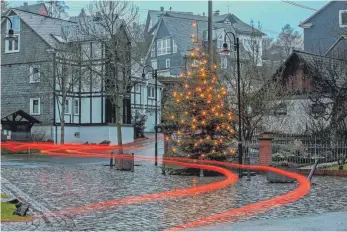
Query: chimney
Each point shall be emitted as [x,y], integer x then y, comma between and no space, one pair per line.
[25,5]
[97,16]
[216,13]
[83,13]
[203,13]
[161,8]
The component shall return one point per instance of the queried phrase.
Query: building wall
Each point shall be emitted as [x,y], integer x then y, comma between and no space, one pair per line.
[175,58]
[298,117]
[83,134]
[325,28]
[141,102]
[16,90]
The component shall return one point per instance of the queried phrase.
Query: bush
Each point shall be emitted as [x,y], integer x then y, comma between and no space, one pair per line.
[139,124]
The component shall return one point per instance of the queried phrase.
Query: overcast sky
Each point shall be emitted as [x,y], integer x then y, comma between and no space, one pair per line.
[273,15]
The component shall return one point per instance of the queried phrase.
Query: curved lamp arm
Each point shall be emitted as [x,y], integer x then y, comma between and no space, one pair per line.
[143,70]
[10,31]
[225,40]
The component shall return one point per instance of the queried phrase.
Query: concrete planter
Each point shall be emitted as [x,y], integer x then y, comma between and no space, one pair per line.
[276,178]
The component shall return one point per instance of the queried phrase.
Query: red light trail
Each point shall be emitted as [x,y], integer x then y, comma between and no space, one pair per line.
[78,150]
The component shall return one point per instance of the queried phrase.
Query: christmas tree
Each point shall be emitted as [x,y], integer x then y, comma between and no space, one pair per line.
[198,110]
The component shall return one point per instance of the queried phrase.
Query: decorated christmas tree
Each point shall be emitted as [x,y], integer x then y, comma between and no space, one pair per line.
[198,110]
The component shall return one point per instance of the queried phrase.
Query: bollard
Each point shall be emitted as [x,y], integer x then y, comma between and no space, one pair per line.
[201,170]
[133,160]
[249,170]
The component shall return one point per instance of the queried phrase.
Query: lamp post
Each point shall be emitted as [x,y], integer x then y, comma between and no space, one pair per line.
[155,76]
[227,51]
[10,36]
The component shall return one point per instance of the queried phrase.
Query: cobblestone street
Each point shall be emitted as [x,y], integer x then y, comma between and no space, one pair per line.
[59,183]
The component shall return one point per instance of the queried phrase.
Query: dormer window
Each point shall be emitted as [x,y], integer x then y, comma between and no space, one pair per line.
[343,18]
[15,23]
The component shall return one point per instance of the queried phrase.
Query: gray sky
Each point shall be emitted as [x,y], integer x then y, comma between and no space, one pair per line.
[273,15]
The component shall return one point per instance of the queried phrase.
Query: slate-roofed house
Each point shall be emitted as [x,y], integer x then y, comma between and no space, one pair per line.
[38,44]
[172,38]
[324,27]
[39,8]
[302,74]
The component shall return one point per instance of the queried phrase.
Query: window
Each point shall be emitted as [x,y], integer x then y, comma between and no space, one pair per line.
[34,74]
[174,46]
[220,41]
[150,92]
[223,62]
[35,106]
[281,109]
[76,106]
[343,18]
[137,88]
[167,63]
[67,106]
[153,51]
[154,64]
[12,45]
[15,23]
[163,46]
[317,109]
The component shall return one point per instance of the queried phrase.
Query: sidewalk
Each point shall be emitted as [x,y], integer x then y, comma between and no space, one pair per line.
[336,221]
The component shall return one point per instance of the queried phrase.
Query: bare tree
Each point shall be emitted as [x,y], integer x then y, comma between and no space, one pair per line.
[107,26]
[260,91]
[61,76]
[289,40]
[329,94]
[4,6]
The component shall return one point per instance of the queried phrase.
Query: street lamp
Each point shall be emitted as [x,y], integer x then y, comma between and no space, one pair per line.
[155,76]
[227,51]
[10,35]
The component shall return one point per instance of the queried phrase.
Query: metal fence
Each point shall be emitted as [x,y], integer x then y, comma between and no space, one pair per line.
[303,151]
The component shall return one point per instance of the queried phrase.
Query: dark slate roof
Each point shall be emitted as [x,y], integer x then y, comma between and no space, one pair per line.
[35,8]
[237,24]
[155,14]
[181,30]
[44,26]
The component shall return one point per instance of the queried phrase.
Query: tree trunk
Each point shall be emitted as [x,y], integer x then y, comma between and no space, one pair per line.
[119,125]
[62,122]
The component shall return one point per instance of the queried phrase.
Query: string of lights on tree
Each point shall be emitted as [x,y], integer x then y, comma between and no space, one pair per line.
[205,125]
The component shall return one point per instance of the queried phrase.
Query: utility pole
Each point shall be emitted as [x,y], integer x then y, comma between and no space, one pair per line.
[210,39]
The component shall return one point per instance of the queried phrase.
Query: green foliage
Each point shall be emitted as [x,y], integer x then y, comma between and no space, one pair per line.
[139,122]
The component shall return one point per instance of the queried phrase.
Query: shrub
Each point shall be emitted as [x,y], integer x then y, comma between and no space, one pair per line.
[139,123]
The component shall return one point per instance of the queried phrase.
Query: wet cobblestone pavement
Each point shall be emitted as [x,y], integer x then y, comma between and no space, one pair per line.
[63,183]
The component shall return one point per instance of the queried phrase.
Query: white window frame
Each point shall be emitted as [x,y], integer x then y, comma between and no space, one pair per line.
[78,106]
[220,41]
[163,46]
[223,62]
[150,90]
[153,51]
[7,44]
[32,78]
[32,106]
[154,64]
[340,18]
[174,46]
[137,88]
[67,109]
[167,63]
